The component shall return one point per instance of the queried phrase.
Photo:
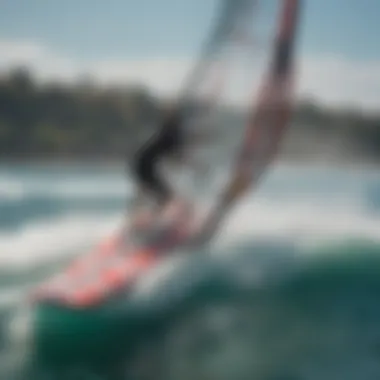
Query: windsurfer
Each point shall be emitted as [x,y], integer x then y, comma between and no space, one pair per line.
[167,143]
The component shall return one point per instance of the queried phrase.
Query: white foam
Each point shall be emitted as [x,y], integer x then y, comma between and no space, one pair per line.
[10,296]
[306,221]
[16,189]
[305,217]
[87,190]
[11,190]
[45,241]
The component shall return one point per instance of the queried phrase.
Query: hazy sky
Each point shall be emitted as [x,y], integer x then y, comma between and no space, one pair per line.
[339,47]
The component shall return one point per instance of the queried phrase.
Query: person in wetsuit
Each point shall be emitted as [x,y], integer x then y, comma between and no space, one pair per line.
[168,142]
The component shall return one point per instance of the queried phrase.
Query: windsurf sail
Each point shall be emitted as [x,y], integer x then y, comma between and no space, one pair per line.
[269,115]
[230,18]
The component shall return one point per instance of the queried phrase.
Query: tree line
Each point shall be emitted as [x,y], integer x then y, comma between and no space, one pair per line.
[79,120]
[69,120]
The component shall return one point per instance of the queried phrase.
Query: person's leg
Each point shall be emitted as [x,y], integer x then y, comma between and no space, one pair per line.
[153,187]
[140,214]
[162,192]
[138,198]
[171,208]
[140,210]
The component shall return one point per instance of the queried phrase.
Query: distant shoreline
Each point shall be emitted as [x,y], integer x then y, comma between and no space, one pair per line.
[64,125]
[122,165]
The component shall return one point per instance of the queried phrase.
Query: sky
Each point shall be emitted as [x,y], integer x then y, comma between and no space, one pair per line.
[156,41]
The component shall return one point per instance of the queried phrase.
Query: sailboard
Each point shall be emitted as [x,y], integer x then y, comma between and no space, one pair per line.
[120,261]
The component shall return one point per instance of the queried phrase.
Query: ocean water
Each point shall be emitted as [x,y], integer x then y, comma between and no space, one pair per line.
[304,251]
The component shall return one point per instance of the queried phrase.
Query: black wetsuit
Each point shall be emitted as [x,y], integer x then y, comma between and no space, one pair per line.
[167,142]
